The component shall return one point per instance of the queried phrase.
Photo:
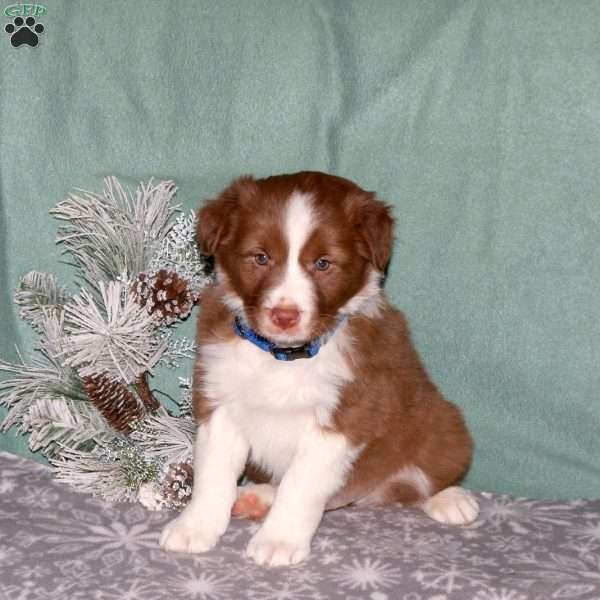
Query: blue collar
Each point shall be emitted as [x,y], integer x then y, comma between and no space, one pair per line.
[307,350]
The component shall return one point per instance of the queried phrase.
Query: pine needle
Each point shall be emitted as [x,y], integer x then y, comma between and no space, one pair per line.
[114,337]
[37,294]
[114,235]
[165,437]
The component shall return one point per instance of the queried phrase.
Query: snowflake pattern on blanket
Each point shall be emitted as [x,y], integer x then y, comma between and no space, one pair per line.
[58,544]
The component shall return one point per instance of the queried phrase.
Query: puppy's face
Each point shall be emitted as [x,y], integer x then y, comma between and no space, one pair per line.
[294,252]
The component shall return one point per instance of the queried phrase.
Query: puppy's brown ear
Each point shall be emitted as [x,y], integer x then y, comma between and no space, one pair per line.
[374,225]
[217,218]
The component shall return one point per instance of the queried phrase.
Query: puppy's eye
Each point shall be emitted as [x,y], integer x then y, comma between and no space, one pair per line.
[322,264]
[261,259]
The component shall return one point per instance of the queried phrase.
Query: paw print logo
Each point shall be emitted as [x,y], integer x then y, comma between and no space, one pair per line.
[24,31]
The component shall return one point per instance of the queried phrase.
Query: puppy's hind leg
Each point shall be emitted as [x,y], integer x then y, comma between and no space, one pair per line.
[410,486]
[453,505]
[254,501]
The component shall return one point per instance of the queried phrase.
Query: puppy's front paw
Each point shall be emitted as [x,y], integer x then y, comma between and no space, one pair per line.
[189,534]
[454,505]
[276,551]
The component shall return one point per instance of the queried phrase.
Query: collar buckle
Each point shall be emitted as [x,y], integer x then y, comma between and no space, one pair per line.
[293,353]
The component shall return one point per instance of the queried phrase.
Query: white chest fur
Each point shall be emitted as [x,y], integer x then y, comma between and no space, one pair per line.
[274,402]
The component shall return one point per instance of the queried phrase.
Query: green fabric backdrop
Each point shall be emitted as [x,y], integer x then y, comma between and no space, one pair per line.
[479,121]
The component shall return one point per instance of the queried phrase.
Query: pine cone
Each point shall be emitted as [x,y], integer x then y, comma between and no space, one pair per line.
[177,484]
[118,405]
[164,294]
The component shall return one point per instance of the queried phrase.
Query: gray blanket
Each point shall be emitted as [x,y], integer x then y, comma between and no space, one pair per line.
[58,544]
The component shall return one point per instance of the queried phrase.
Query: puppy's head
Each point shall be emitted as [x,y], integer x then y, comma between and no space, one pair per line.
[295,252]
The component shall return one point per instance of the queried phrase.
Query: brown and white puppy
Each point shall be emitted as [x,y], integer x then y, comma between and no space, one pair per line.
[299,262]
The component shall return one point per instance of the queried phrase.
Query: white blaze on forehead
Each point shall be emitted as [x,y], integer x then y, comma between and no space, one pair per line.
[296,286]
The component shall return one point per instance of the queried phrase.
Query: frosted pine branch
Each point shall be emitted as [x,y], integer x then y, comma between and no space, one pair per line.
[185,401]
[38,292]
[115,337]
[55,423]
[164,437]
[112,237]
[93,473]
[115,234]
[44,376]
[179,252]
[51,326]
[115,472]
[177,350]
